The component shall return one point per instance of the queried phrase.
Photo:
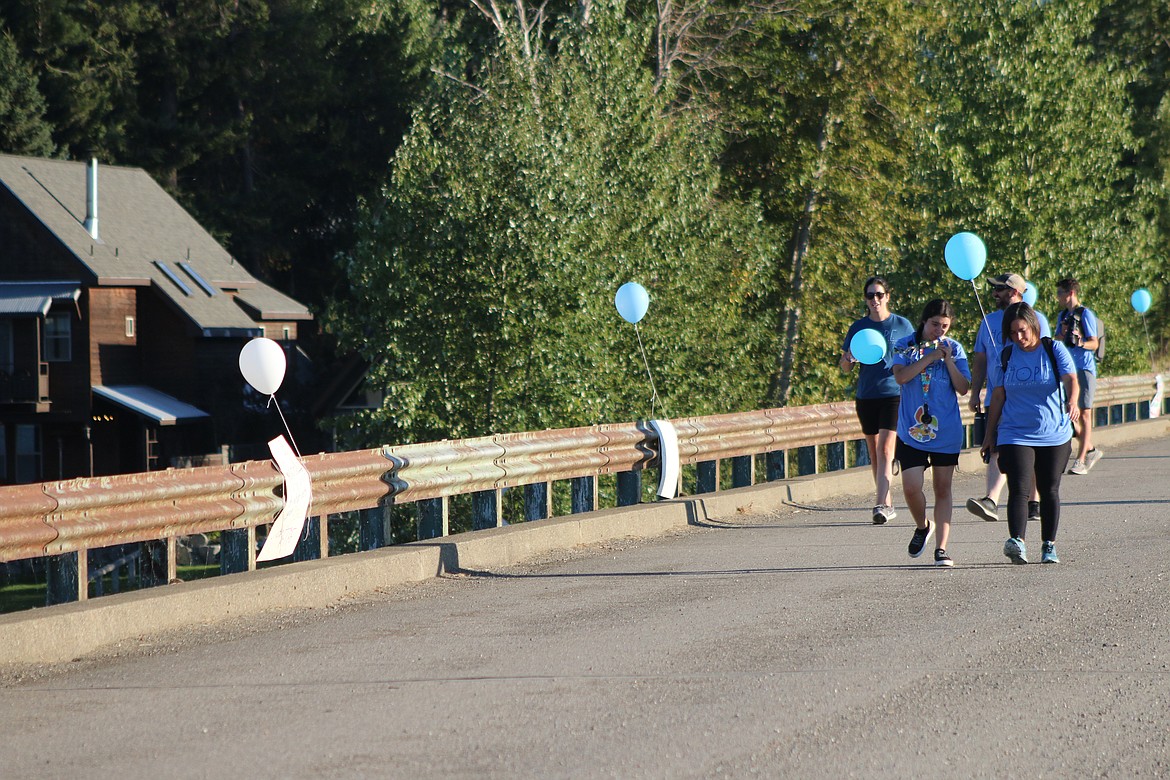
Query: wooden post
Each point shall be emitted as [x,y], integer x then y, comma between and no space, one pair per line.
[537,501]
[486,510]
[584,494]
[433,518]
[742,471]
[629,488]
[707,476]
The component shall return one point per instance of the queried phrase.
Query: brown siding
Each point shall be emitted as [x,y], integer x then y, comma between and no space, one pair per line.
[113,355]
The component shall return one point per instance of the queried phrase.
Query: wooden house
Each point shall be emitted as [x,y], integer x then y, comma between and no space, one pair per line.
[121,322]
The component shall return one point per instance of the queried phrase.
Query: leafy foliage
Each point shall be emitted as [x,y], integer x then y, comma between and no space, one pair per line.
[487,273]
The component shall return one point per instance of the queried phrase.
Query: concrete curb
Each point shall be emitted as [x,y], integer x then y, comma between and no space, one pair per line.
[62,633]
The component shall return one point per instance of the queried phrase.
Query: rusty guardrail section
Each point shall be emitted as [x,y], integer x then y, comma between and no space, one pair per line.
[58,517]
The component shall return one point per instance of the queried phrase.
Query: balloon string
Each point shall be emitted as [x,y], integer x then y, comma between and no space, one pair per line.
[653,391]
[1149,346]
[982,311]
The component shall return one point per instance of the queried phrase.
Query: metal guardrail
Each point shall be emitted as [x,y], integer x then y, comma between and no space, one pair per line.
[59,518]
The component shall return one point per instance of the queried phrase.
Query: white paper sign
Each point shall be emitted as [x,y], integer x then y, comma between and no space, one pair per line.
[667,458]
[298,495]
[1156,403]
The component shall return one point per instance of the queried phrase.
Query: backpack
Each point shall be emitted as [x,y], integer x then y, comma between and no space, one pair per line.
[1006,354]
[1076,315]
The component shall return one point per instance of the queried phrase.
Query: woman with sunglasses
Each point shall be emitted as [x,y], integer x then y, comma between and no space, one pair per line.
[931,370]
[877,393]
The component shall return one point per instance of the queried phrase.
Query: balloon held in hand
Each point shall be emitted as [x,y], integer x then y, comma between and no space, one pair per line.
[867,346]
[965,255]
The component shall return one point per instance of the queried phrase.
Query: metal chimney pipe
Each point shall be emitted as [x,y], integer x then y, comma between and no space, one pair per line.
[91,199]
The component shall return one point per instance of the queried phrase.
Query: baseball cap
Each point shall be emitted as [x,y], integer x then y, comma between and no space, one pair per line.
[1015,281]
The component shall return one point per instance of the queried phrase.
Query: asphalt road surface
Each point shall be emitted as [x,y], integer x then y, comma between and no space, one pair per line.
[801,644]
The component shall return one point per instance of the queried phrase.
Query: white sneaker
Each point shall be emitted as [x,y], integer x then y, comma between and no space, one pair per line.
[983,507]
[1078,467]
[1091,458]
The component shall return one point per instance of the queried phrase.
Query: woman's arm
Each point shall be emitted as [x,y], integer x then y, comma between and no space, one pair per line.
[960,382]
[1072,389]
[994,411]
[903,374]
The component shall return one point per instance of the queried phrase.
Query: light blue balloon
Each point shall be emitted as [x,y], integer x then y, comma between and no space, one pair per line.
[965,255]
[1141,300]
[632,301]
[868,346]
[1030,294]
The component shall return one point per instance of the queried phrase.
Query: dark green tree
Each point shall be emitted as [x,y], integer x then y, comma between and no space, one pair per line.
[23,129]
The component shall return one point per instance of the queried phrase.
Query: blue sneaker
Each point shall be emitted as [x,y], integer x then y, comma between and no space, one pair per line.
[1048,553]
[1016,550]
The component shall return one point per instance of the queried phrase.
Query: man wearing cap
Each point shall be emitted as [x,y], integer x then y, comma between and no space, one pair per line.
[1006,289]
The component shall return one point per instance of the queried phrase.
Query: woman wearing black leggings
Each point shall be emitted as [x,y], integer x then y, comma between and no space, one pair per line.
[1029,423]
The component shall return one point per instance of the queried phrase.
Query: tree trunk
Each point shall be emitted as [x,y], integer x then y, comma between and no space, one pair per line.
[788,327]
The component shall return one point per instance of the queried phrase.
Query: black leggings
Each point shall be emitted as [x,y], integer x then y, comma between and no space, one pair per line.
[1019,462]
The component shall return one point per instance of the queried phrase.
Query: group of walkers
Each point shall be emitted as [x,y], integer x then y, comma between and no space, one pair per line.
[1039,395]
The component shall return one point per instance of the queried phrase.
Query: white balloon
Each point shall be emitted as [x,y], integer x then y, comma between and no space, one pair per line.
[262,363]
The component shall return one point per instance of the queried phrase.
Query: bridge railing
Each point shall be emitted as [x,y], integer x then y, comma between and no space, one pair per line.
[60,521]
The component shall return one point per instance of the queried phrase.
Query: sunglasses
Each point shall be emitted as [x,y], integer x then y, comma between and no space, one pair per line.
[998,288]
[873,296]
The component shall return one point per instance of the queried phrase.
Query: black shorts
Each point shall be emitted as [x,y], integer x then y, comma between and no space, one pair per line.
[877,414]
[912,457]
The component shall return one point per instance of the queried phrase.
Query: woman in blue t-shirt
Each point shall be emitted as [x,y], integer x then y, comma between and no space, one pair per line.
[931,369]
[877,392]
[1029,422]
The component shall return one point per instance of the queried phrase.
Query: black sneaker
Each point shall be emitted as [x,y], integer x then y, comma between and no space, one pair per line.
[919,540]
[1033,511]
[942,559]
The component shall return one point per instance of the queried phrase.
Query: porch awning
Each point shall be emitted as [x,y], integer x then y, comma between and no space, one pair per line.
[29,298]
[150,403]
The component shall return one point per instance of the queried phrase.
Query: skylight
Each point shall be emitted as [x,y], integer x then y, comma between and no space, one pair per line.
[199,280]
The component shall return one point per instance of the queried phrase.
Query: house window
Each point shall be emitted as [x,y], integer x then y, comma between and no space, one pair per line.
[28,454]
[129,327]
[58,338]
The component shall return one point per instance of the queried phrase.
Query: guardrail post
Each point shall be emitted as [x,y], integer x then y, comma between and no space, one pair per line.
[309,546]
[237,550]
[776,465]
[806,460]
[486,510]
[835,456]
[629,488]
[65,581]
[433,518]
[742,471]
[707,476]
[536,501]
[374,525]
[584,494]
[860,453]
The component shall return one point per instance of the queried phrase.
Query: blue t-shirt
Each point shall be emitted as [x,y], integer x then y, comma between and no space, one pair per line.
[876,380]
[1083,359]
[1034,405]
[985,345]
[930,420]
